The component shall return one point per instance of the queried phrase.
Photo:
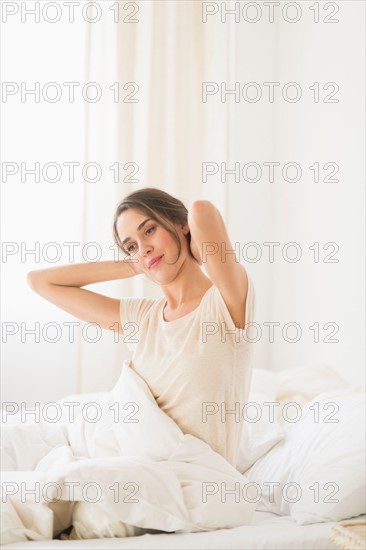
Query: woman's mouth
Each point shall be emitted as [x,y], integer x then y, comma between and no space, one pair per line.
[155,263]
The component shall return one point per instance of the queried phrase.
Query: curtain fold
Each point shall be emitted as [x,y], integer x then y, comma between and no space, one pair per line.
[161,140]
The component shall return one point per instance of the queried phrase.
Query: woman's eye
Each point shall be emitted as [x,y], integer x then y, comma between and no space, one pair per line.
[129,249]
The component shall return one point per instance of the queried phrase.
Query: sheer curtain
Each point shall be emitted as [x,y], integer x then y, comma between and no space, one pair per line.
[154,126]
[163,137]
[166,137]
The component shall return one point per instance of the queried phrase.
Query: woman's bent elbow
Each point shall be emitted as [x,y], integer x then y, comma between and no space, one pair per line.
[32,279]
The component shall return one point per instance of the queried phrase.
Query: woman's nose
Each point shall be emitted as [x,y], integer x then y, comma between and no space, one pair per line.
[144,249]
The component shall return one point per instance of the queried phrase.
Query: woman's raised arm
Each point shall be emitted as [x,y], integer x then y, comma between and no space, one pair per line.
[62,286]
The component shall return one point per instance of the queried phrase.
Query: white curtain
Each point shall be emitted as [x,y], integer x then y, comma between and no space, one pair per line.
[163,140]
[167,134]
[171,132]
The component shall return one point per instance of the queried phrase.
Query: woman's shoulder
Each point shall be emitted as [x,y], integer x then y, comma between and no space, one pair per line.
[138,306]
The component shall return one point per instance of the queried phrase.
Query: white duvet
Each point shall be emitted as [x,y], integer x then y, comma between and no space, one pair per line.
[122,467]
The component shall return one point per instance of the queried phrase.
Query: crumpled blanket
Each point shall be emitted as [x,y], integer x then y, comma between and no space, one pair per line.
[121,467]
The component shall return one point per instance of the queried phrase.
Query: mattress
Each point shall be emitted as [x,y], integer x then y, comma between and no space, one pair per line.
[268,531]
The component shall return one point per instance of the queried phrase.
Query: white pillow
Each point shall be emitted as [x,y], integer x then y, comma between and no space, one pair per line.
[265,381]
[322,459]
[261,431]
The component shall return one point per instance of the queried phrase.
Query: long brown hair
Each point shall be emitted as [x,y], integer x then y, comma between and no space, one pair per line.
[157,205]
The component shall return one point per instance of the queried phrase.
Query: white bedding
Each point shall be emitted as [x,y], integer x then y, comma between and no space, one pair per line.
[166,466]
[130,470]
[268,532]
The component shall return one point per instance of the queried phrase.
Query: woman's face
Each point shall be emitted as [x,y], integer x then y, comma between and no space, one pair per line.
[145,239]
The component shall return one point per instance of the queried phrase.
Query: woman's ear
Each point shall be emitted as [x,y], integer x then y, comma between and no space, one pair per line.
[185,229]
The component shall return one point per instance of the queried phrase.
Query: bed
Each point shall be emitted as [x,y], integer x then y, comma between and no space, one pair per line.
[320,451]
[268,532]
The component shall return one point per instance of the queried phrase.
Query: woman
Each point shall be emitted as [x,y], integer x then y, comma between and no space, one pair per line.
[189,346]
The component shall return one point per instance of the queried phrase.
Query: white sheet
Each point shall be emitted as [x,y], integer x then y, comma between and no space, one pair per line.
[268,532]
[166,480]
